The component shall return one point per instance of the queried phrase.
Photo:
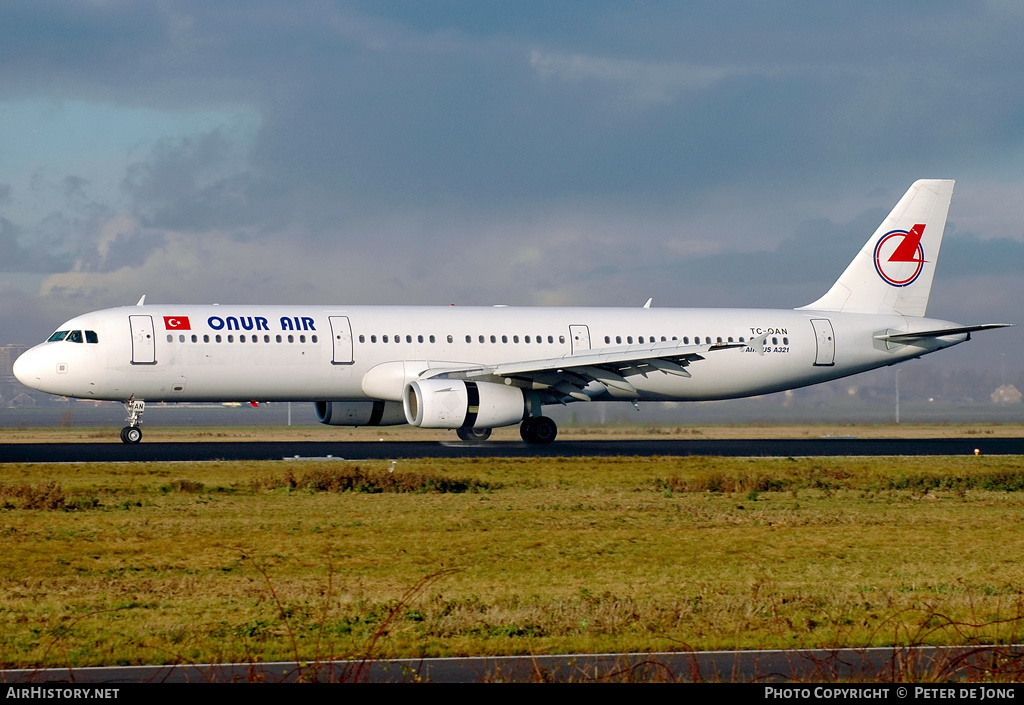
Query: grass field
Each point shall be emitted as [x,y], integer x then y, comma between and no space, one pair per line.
[200,562]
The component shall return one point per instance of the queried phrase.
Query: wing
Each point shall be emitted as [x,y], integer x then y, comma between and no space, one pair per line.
[573,376]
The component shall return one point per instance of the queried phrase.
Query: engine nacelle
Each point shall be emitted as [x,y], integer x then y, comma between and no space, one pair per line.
[456,403]
[360,413]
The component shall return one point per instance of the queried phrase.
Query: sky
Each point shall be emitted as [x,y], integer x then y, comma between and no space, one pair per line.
[521,153]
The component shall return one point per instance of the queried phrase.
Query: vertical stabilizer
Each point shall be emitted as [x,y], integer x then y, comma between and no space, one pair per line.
[893,272]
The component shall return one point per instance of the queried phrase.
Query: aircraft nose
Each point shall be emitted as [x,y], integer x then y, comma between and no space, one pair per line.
[28,369]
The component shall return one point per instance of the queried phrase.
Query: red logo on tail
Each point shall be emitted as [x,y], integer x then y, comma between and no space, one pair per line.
[899,256]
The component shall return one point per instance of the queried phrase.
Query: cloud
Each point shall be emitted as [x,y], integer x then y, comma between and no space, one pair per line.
[14,257]
[718,154]
[639,83]
[196,181]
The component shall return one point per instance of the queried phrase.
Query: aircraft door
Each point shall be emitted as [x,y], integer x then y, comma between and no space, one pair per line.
[579,337]
[826,341]
[341,334]
[143,340]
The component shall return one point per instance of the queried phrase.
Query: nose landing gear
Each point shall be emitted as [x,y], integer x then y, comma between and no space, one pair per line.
[132,433]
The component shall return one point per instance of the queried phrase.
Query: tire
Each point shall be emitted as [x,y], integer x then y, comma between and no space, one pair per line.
[131,434]
[526,429]
[539,430]
[473,434]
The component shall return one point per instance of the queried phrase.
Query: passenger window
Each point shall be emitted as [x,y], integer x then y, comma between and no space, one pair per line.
[313,338]
[181,338]
[302,339]
[504,338]
[241,339]
[59,335]
[231,338]
[170,338]
[195,339]
[291,339]
[419,338]
[206,339]
[217,338]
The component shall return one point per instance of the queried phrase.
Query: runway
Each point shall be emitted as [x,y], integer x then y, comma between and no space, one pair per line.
[795,447]
[850,666]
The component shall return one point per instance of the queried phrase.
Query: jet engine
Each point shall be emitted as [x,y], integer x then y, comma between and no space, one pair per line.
[456,403]
[360,413]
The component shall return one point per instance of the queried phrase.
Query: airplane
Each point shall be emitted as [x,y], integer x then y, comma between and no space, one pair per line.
[472,369]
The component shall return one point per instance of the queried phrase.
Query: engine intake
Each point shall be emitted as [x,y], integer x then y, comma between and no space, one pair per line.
[456,403]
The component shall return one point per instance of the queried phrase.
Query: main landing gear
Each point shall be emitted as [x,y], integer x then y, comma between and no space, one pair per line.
[473,434]
[538,430]
[132,433]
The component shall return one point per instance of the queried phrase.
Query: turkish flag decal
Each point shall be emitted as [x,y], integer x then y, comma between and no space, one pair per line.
[177,323]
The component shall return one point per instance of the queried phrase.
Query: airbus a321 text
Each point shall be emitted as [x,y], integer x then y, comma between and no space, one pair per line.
[472,369]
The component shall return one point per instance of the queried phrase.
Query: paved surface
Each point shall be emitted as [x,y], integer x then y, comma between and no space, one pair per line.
[928,664]
[155,452]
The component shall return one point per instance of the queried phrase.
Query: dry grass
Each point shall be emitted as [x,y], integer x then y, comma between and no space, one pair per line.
[177,562]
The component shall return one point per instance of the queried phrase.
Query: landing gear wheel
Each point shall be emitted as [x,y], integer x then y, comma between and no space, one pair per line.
[538,430]
[473,434]
[131,434]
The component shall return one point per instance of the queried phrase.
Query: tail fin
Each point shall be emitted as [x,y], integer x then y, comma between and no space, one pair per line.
[893,272]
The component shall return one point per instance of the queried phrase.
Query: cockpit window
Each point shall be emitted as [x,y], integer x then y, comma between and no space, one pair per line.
[91,337]
[74,336]
[59,335]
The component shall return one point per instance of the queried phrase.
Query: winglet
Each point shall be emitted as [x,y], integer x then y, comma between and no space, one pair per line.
[142,301]
[648,304]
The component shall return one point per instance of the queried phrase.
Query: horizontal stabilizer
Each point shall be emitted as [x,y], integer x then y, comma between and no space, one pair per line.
[921,335]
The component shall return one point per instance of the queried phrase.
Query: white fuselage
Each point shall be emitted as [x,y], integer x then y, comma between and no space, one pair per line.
[305,353]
